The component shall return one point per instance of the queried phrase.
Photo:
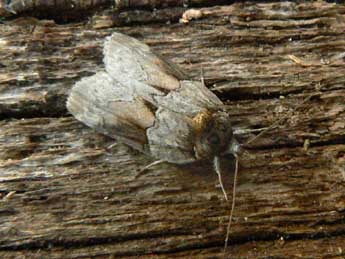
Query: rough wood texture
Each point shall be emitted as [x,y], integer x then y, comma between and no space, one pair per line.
[14,7]
[65,194]
[69,10]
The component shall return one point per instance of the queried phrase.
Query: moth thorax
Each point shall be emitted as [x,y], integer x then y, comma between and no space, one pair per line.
[213,133]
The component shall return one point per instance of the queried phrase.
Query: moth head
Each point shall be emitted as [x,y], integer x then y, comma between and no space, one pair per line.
[214,135]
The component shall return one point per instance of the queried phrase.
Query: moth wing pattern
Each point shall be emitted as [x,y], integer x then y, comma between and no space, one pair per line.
[110,108]
[171,138]
[142,100]
[191,98]
[126,57]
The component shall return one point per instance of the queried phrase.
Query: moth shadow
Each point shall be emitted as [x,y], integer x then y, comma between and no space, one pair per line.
[204,172]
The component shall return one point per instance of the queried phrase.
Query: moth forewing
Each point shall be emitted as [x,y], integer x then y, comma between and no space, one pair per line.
[172,136]
[190,99]
[105,105]
[127,57]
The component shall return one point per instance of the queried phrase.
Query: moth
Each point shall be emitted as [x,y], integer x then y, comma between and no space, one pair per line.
[151,105]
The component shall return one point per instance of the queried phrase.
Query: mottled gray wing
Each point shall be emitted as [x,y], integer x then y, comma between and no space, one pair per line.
[109,107]
[127,58]
[191,98]
[157,81]
[172,137]
[141,101]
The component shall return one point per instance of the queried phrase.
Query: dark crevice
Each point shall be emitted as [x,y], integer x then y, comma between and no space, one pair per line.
[41,244]
[54,106]
[147,5]
[238,94]
[64,15]
[33,113]
[262,236]
[67,13]
[340,140]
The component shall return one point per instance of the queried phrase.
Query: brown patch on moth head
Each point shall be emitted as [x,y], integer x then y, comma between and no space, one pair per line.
[200,120]
[213,134]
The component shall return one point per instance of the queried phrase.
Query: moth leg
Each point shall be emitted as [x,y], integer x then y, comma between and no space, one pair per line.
[142,170]
[216,164]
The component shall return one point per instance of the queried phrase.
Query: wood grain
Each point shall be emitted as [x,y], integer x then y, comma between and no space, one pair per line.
[66,194]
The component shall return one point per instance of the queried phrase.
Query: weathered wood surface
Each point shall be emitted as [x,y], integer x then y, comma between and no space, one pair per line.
[65,194]
[68,10]
[15,7]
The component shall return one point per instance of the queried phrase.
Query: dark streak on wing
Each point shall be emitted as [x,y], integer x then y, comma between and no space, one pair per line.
[103,104]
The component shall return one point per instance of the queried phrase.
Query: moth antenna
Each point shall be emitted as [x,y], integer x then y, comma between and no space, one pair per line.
[142,170]
[216,164]
[232,204]
[277,122]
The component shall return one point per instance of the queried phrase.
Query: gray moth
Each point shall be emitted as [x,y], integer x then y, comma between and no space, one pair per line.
[149,104]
